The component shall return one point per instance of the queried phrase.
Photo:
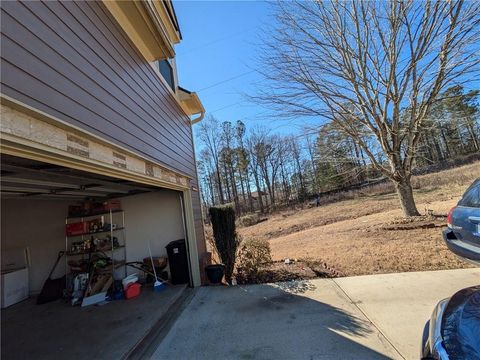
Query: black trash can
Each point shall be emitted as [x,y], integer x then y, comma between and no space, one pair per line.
[177,259]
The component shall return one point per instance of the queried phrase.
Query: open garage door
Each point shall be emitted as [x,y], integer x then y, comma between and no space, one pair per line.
[36,197]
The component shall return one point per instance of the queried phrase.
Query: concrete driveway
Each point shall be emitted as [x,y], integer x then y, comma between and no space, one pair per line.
[364,317]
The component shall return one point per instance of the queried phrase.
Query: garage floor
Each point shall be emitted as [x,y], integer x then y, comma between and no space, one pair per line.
[58,331]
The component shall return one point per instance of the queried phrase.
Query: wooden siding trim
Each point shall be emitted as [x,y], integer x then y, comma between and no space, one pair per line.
[149,37]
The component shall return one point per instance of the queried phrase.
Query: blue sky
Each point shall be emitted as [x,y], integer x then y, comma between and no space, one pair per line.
[217,56]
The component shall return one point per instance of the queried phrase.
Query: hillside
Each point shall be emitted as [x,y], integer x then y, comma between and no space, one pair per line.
[366,234]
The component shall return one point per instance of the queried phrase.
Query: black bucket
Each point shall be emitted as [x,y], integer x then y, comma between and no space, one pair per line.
[215,273]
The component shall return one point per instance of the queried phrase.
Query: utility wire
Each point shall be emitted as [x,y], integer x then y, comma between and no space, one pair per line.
[226,80]
[213,42]
[225,107]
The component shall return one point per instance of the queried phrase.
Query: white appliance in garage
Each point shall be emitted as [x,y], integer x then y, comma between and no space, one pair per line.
[14,272]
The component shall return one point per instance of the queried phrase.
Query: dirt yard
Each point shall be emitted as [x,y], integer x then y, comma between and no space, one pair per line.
[367,234]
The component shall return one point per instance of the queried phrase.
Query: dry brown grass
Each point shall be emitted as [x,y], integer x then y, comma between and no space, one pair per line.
[353,236]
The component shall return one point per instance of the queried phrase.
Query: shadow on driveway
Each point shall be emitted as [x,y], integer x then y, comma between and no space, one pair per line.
[285,321]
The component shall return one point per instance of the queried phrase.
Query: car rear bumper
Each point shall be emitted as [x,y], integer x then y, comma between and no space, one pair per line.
[461,248]
[432,342]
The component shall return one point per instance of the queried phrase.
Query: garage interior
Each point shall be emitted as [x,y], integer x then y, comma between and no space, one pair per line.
[36,198]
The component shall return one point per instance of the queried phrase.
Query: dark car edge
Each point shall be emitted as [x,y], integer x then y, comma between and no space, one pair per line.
[453,331]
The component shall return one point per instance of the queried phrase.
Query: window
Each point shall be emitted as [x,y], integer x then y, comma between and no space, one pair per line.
[472,196]
[167,72]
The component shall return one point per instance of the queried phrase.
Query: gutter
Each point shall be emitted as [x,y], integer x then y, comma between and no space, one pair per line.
[192,103]
[199,118]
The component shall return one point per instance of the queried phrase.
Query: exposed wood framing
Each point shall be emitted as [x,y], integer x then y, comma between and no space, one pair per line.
[39,137]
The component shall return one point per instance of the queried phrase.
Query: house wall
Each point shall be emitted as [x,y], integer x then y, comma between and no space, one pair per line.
[40,225]
[72,60]
[156,217]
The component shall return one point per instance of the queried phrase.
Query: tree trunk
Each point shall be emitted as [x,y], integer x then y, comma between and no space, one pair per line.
[259,190]
[234,190]
[249,193]
[210,186]
[473,136]
[405,195]
[315,188]
[219,178]
[286,190]
[242,187]
[227,183]
[445,141]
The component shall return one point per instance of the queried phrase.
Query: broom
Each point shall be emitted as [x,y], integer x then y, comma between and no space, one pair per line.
[157,286]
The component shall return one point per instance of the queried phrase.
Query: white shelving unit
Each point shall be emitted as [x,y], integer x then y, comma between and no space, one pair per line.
[118,254]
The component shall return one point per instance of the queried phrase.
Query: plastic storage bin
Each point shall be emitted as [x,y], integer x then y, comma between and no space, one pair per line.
[133,290]
[77,228]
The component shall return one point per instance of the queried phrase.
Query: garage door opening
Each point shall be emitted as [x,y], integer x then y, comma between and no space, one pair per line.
[38,200]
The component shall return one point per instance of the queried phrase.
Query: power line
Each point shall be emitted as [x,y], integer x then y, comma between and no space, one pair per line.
[210,43]
[226,80]
[225,107]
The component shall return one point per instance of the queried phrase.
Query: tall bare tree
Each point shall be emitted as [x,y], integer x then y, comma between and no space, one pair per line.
[375,66]
[208,133]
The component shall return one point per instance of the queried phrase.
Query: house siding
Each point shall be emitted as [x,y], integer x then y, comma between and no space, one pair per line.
[73,61]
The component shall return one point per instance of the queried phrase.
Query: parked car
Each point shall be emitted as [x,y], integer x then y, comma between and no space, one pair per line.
[453,331]
[463,233]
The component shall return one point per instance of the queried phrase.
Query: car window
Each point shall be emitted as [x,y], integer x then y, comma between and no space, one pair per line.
[472,197]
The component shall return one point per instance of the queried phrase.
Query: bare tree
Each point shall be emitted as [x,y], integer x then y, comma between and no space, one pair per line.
[254,143]
[375,66]
[205,172]
[209,135]
[242,163]
[228,158]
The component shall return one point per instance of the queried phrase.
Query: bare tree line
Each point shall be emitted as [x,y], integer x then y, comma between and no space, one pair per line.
[237,165]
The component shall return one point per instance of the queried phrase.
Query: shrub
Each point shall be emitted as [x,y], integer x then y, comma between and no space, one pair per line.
[253,254]
[249,220]
[225,236]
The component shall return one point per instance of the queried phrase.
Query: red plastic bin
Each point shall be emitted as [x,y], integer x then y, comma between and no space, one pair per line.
[78,228]
[133,290]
